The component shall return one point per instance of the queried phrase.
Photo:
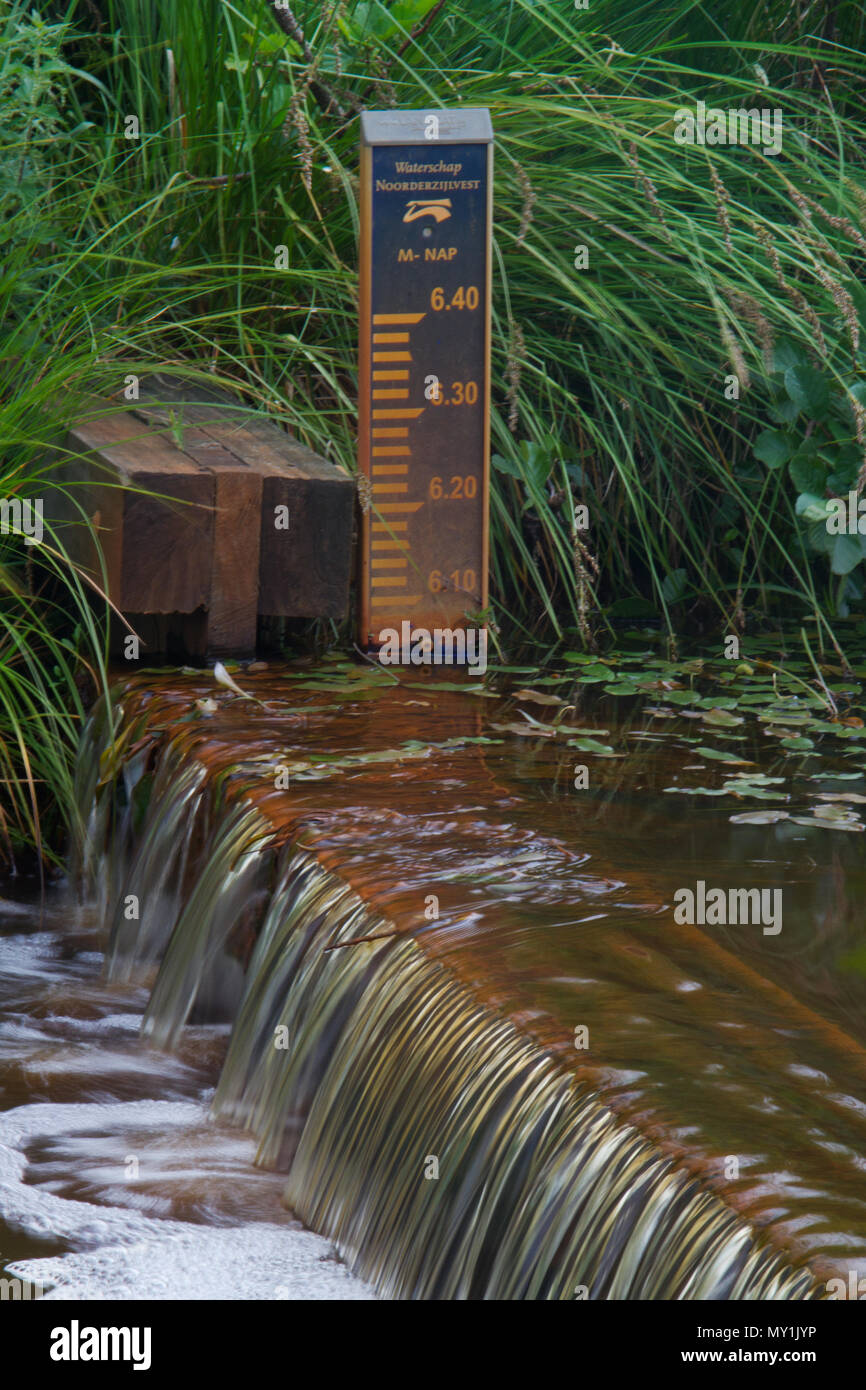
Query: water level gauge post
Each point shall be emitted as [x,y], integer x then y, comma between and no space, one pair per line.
[424,369]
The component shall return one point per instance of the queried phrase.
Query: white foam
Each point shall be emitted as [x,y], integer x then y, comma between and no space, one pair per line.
[253,1262]
[31,954]
[122,1254]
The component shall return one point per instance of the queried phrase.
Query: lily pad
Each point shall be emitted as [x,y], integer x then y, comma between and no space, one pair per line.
[842,796]
[836,813]
[749,792]
[816,823]
[590,745]
[698,791]
[720,755]
[538,697]
[760,779]
[722,717]
[525,730]
[837,776]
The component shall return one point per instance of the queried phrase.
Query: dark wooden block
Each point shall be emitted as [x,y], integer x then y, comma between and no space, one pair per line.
[157,542]
[304,571]
[182,487]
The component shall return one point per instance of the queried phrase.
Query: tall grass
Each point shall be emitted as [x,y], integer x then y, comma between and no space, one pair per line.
[52,628]
[609,382]
[637,385]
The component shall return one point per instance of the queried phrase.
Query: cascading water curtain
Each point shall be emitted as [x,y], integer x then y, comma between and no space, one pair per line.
[445,1153]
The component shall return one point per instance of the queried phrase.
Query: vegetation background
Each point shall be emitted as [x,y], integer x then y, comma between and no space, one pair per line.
[696,376]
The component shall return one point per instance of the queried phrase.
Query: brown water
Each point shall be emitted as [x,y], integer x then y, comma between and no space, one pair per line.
[114,1180]
[740,1054]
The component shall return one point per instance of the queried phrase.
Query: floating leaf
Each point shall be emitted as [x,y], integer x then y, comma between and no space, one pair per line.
[459,741]
[464,689]
[758,817]
[721,755]
[538,697]
[525,730]
[842,796]
[792,718]
[760,779]
[716,702]
[589,745]
[836,776]
[750,791]
[834,812]
[698,791]
[721,717]
[815,823]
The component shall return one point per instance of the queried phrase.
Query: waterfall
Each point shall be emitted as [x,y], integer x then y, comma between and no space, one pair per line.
[444,1151]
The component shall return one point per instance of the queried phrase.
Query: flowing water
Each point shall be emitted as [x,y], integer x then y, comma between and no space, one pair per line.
[371,936]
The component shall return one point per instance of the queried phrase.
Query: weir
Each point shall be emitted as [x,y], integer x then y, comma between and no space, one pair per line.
[410,1073]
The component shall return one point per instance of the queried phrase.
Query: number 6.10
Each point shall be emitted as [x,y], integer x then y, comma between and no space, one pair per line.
[464,581]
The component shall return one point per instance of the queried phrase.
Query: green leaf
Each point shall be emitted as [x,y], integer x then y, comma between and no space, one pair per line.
[812,507]
[808,389]
[720,755]
[674,586]
[787,354]
[749,792]
[410,12]
[595,670]
[698,791]
[632,608]
[589,745]
[846,554]
[506,466]
[823,824]
[537,463]
[819,537]
[721,716]
[773,448]
[807,475]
